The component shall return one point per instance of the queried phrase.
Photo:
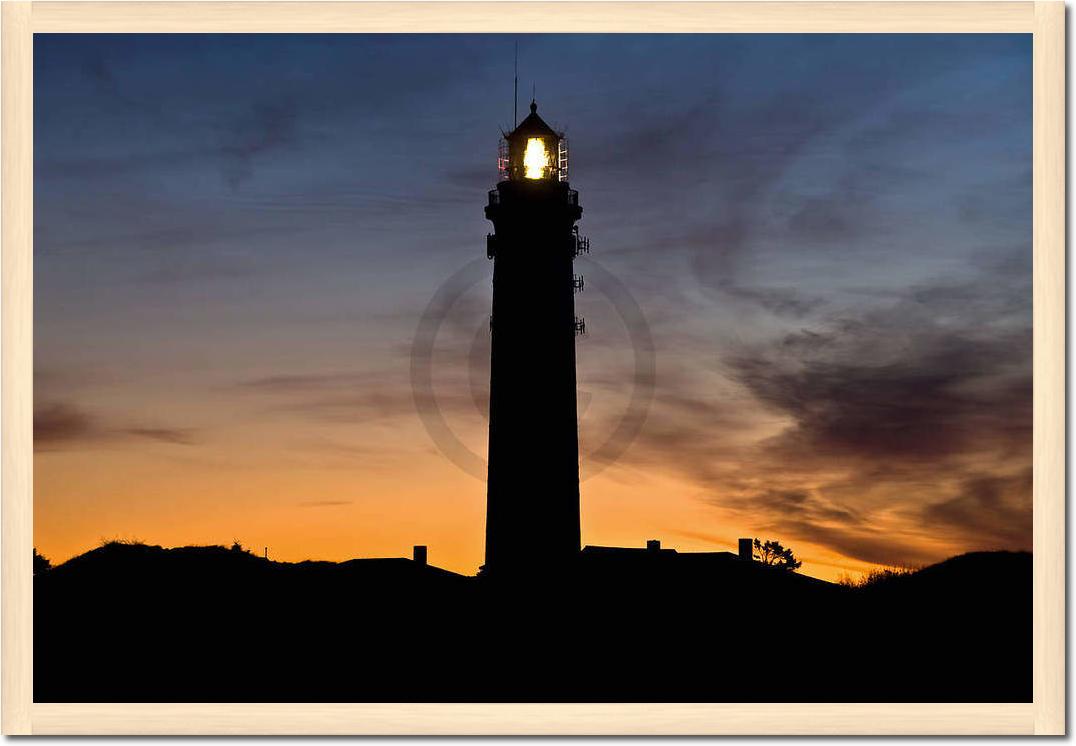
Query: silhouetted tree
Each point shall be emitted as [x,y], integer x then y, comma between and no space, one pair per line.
[771,554]
[40,563]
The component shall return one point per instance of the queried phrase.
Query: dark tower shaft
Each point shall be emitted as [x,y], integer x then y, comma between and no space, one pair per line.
[532,516]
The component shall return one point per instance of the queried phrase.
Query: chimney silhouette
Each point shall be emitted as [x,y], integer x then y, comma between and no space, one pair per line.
[419,554]
[747,550]
[653,545]
[532,501]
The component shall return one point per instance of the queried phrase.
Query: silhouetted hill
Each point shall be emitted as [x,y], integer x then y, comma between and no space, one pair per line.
[131,622]
[215,564]
[975,573]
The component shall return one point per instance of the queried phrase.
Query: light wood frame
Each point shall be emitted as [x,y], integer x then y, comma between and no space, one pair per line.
[1045,715]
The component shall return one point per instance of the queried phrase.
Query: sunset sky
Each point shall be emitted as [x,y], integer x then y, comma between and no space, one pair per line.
[829,238]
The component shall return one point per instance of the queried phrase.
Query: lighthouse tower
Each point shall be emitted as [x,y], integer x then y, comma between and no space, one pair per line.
[532,510]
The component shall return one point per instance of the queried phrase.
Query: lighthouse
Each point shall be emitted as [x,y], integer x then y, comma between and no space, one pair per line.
[532,500]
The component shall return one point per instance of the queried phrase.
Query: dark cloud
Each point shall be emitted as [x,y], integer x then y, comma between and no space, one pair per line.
[752,149]
[829,219]
[476,178]
[234,146]
[925,406]
[347,396]
[876,546]
[266,127]
[66,426]
[306,383]
[695,425]
[60,423]
[359,406]
[995,509]
[899,399]
[903,422]
[179,267]
[175,436]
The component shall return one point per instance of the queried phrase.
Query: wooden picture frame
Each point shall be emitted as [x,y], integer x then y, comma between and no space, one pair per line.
[1044,716]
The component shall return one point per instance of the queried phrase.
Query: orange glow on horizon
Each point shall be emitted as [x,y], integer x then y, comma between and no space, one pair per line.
[312,474]
[301,513]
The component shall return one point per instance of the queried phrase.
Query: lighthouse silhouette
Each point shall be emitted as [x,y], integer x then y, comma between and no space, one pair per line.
[532,509]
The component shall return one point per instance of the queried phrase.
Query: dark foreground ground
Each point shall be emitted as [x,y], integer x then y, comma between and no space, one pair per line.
[138,623]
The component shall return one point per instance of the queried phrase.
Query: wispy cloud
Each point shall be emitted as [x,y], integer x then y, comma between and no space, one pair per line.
[64,425]
[913,419]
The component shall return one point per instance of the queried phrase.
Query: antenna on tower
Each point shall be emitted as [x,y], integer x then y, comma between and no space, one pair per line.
[515,89]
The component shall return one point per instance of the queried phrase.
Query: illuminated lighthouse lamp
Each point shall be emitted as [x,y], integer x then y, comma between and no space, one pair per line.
[534,151]
[536,161]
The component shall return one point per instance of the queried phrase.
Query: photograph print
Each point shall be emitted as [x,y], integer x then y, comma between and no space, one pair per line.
[532,368]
